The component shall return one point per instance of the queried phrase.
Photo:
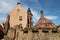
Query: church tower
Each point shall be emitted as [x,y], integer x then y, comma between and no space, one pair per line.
[29,18]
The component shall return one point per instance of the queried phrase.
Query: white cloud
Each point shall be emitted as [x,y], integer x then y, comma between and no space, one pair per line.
[2,19]
[51,17]
[35,14]
[6,6]
[36,17]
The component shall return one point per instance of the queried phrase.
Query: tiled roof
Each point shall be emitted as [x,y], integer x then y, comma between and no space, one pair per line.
[45,23]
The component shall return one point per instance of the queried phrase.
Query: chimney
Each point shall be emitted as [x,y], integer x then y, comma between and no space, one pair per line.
[42,16]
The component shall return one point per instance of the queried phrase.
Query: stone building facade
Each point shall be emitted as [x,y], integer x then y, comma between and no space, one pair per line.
[43,30]
[18,16]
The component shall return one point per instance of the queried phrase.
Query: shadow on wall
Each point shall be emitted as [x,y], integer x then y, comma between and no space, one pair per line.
[1,32]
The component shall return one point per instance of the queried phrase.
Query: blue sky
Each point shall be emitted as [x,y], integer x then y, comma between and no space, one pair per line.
[51,9]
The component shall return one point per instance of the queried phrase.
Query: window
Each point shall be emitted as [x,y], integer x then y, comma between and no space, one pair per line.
[20,17]
[20,25]
[54,30]
[28,21]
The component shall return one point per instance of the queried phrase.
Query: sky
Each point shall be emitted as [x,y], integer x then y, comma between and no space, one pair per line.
[51,9]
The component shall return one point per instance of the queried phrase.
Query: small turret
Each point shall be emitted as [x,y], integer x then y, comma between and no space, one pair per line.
[42,16]
[29,12]
[29,22]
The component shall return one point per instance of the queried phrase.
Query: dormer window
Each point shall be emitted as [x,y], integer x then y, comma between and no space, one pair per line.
[20,18]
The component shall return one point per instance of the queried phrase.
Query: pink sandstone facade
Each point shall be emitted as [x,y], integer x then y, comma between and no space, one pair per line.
[18,16]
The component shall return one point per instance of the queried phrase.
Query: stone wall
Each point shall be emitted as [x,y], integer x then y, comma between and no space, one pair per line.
[19,34]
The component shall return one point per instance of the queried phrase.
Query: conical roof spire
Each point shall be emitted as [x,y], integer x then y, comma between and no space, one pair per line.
[29,11]
[42,16]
